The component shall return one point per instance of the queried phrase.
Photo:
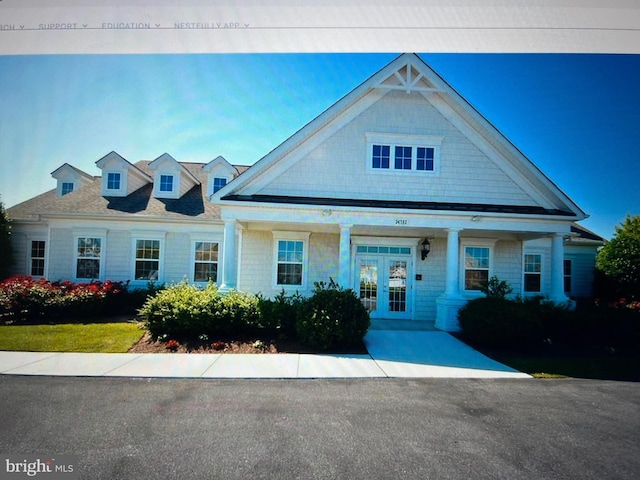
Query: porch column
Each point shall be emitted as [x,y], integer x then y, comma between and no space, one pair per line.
[452,285]
[229,261]
[344,258]
[557,269]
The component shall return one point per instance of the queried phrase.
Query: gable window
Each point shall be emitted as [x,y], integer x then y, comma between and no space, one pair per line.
[380,156]
[147,260]
[166,183]
[476,267]
[88,256]
[567,276]
[218,183]
[113,181]
[403,153]
[425,158]
[206,262]
[67,187]
[37,258]
[532,272]
[403,158]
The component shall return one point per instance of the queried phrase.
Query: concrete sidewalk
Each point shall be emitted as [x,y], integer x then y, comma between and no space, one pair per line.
[409,354]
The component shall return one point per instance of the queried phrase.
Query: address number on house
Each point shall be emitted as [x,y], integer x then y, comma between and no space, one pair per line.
[402,221]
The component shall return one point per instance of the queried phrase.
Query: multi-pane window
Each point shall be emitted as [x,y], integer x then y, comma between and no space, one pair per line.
[37,258]
[67,187]
[88,254]
[532,272]
[113,181]
[218,183]
[206,262]
[567,276]
[476,267]
[402,158]
[290,262]
[166,183]
[147,262]
[425,158]
[380,157]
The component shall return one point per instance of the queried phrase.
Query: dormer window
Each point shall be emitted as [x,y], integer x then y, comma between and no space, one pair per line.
[166,183]
[113,181]
[67,187]
[218,183]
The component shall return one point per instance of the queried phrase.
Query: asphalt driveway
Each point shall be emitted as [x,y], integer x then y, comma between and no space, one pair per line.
[333,429]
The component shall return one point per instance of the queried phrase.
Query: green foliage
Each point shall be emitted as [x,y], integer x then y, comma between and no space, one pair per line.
[497,288]
[619,259]
[281,312]
[332,318]
[6,256]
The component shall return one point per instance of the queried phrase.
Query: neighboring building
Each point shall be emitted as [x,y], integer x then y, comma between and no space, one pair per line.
[401,165]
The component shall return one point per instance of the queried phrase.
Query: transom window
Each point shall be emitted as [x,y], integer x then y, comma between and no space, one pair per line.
[113,181]
[37,258]
[147,259]
[532,272]
[218,183]
[88,255]
[290,262]
[206,262]
[67,187]
[166,183]
[476,267]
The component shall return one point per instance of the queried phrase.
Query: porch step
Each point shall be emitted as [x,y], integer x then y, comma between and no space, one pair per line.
[388,324]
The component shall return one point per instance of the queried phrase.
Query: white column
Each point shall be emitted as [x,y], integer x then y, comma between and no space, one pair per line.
[557,269]
[344,259]
[452,285]
[229,261]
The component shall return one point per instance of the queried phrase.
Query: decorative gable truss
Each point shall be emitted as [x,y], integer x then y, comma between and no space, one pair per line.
[70,179]
[171,179]
[119,177]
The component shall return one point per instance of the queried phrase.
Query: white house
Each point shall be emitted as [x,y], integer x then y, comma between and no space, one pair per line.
[401,190]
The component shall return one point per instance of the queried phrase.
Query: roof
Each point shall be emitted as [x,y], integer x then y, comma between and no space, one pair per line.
[582,235]
[88,201]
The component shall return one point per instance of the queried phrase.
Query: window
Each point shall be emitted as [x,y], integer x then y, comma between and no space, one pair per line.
[37,258]
[113,181]
[567,276]
[88,255]
[402,158]
[476,267]
[532,272]
[166,183]
[218,183]
[206,262]
[290,262]
[67,187]
[425,158]
[147,259]
[380,157]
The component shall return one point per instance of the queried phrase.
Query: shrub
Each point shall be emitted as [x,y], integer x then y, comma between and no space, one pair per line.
[281,313]
[499,322]
[333,317]
[236,312]
[497,288]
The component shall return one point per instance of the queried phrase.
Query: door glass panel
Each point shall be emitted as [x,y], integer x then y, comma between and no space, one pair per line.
[397,286]
[369,284]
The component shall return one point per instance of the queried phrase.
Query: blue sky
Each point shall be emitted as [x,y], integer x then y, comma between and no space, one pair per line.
[577,117]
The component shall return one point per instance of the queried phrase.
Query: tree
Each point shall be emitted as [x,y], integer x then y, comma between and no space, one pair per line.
[619,259]
[6,251]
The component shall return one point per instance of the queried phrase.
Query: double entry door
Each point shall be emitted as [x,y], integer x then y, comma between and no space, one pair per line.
[384,285]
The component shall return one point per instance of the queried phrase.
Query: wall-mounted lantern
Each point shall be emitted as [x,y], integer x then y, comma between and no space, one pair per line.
[426,248]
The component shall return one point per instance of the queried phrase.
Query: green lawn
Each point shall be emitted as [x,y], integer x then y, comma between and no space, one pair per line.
[70,337]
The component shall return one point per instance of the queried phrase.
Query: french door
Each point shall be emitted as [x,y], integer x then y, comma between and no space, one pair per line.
[384,285]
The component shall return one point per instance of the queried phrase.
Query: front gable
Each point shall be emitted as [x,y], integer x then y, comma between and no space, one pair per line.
[171,180]
[403,136]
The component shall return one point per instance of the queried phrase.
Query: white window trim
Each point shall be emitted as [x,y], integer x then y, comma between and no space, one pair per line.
[30,257]
[174,192]
[212,183]
[151,235]
[60,189]
[542,260]
[192,260]
[396,140]
[113,192]
[475,242]
[299,236]
[97,233]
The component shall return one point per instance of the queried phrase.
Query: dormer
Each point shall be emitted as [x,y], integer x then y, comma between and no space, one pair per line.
[70,179]
[219,173]
[170,179]
[120,177]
